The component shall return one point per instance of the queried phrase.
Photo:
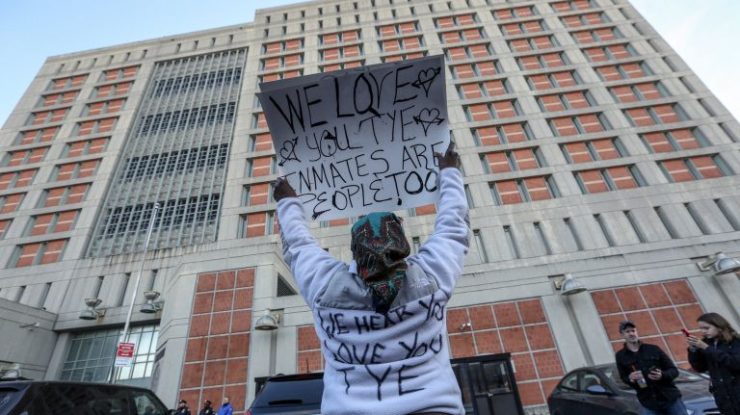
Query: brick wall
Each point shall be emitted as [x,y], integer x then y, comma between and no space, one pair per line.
[659,310]
[218,341]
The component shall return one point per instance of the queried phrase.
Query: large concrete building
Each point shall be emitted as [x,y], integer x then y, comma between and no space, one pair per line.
[588,145]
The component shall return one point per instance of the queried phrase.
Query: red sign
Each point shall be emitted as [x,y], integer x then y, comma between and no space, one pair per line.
[125,354]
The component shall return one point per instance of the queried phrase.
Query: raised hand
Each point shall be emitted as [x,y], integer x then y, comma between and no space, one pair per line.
[449,159]
[282,189]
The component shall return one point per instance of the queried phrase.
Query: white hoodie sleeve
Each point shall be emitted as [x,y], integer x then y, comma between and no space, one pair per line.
[442,255]
[311,265]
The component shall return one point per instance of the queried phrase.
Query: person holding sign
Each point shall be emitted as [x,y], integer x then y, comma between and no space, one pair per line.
[381,319]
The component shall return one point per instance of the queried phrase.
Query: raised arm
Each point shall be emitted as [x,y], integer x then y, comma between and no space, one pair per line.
[442,255]
[310,264]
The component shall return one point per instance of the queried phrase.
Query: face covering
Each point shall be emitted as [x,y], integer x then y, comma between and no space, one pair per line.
[379,247]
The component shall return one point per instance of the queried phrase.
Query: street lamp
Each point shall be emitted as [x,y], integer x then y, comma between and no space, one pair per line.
[720,263]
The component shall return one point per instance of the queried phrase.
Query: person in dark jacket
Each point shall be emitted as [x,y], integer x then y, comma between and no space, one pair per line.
[182,408]
[718,352]
[650,372]
[207,409]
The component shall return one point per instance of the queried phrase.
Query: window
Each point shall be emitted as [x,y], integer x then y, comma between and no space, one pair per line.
[404,43]
[567,101]
[624,71]
[674,140]
[4,225]
[547,60]
[70,171]
[403,56]
[513,13]
[580,124]
[568,5]
[502,134]
[491,88]
[532,26]
[638,92]
[85,147]
[345,52]
[17,158]
[532,43]
[593,150]
[274,76]
[257,224]
[260,142]
[459,36]
[44,117]
[455,21]
[68,82]
[10,203]
[102,125]
[553,80]
[16,179]
[257,194]
[43,135]
[38,253]
[514,160]
[470,70]
[528,189]
[609,53]
[658,114]
[103,107]
[609,179]
[120,73]
[341,65]
[286,61]
[340,37]
[482,50]
[694,168]
[58,196]
[58,99]
[493,110]
[282,46]
[598,35]
[90,356]
[260,166]
[112,90]
[584,19]
[397,29]
[51,223]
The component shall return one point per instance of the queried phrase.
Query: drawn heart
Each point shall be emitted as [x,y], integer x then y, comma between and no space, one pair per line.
[427,115]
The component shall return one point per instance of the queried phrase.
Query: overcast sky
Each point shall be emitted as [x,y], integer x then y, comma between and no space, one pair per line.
[703,32]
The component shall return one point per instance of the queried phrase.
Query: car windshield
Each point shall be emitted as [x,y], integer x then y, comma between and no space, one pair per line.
[290,392]
[684,376]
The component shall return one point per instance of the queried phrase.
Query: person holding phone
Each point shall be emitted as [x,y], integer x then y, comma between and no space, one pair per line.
[650,372]
[718,353]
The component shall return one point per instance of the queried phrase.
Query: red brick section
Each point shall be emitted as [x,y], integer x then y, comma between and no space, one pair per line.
[516,327]
[217,354]
[659,310]
[308,356]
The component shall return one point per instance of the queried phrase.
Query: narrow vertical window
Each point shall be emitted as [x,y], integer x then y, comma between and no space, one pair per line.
[543,238]
[604,229]
[630,218]
[511,241]
[573,233]
[666,223]
[697,218]
[481,248]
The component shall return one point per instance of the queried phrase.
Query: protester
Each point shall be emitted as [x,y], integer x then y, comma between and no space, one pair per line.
[207,409]
[225,408]
[718,352]
[381,319]
[650,372]
[182,408]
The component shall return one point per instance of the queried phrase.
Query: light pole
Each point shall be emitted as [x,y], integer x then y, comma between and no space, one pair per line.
[124,336]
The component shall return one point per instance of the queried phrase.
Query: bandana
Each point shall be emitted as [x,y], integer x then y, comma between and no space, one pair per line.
[379,247]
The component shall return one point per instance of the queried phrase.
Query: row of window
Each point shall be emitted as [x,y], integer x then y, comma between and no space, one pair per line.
[187,118]
[106,76]
[176,162]
[203,80]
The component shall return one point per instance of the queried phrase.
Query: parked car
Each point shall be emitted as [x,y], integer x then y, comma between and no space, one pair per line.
[28,397]
[289,395]
[599,390]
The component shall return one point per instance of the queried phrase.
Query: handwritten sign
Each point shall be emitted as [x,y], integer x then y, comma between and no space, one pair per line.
[361,140]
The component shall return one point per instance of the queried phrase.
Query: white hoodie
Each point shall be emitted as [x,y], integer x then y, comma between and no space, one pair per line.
[397,363]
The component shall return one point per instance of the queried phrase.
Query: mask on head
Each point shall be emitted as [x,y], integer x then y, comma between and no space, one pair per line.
[379,247]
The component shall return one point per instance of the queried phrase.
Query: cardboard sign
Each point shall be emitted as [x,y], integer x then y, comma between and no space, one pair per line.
[125,354]
[361,140]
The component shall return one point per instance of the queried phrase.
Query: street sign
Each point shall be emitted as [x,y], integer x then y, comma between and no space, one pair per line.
[125,354]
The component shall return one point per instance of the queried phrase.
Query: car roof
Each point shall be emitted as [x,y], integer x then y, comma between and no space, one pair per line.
[26,383]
